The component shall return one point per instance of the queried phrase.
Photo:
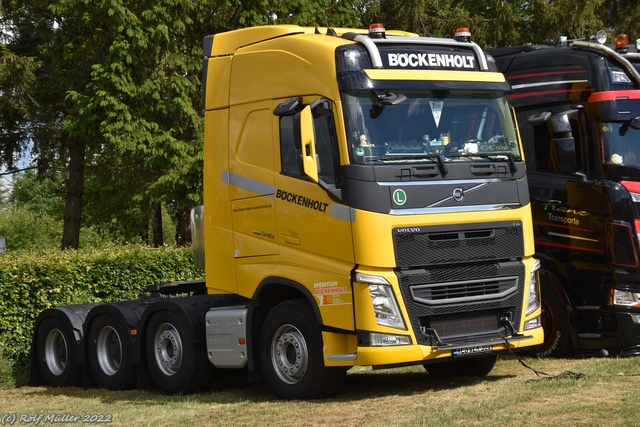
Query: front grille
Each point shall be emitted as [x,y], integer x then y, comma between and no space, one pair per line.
[448,244]
[462,300]
[464,324]
[466,291]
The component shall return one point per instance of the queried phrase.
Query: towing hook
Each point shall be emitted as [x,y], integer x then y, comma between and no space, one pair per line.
[505,321]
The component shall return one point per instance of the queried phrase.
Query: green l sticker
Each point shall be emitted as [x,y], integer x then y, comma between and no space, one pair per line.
[399,197]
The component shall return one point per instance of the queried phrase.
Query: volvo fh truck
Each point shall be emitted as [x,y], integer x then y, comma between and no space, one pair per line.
[365,204]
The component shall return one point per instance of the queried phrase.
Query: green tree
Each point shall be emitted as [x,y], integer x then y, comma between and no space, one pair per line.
[17,77]
[59,130]
[144,96]
[118,93]
[547,21]
[38,193]
[621,17]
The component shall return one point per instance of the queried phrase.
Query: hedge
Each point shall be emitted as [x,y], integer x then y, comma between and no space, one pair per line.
[31,282]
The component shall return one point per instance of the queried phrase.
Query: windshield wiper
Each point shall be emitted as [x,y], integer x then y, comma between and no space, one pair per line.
[438,158]
[491,154]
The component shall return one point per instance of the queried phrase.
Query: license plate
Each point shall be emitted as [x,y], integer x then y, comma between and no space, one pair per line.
[471,351]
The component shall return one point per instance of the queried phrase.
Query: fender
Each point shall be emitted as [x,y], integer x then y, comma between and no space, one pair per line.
[128,313]
[73,316]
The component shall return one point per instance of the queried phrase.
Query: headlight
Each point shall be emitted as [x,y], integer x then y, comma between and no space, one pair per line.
[533,296]
[384,302]
[625,298]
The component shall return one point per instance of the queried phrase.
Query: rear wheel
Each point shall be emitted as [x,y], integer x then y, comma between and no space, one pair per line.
[291,354]
[176,363]
[56,352]
[473,367]
[110,353]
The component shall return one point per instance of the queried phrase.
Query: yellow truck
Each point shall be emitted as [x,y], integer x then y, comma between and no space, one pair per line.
[365,204]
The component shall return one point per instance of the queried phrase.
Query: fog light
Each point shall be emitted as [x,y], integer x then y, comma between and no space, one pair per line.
[533,323]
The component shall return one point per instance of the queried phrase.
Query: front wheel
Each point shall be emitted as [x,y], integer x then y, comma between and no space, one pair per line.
[472,367]
[292,360]
[555,323]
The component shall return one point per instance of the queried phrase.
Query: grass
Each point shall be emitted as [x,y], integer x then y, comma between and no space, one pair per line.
[602,394]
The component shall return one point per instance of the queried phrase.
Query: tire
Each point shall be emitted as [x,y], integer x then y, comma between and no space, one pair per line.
[472,367]
[110,353]
[555,322]
[56,353]
[291,354]
[176,364]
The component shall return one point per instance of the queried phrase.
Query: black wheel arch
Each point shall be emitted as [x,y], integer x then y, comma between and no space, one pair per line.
[193,309]
[73,316]
[273,290]
[127,313]
[270,292]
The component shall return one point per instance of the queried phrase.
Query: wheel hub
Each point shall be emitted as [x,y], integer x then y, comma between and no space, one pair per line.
[168,349]
[289,354]
[56,352]
[109,350]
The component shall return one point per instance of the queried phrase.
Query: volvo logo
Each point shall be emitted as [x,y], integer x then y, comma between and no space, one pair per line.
[458,194]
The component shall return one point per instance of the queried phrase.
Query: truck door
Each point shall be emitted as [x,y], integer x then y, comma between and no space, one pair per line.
[557,201]
[314,229]
[251,170]
[567,205]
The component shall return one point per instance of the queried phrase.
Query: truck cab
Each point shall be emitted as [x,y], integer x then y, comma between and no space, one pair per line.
[578,109]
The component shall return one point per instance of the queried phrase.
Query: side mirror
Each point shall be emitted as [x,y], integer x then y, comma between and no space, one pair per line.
[538,119]
[563,144]
[288,107]
[559,123]
[563,155]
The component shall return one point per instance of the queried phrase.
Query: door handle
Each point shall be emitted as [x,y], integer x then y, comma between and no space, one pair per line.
[290,236]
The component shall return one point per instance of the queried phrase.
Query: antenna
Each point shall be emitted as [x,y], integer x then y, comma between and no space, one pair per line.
[330,31]
[424,28]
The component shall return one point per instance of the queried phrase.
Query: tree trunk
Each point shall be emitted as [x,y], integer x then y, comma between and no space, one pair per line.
[75,190]
[183,227]
[144,233]
[156,224]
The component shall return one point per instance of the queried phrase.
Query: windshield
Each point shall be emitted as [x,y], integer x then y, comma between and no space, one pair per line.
[621,144]
[458,125]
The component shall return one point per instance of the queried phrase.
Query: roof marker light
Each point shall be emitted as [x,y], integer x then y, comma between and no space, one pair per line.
[377,31]
[622,42]
[462,34]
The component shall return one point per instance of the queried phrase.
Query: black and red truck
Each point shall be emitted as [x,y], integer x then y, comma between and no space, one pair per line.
[578,110]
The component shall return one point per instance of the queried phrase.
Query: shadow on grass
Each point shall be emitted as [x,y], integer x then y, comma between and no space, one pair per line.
[234,388]
[366,385]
